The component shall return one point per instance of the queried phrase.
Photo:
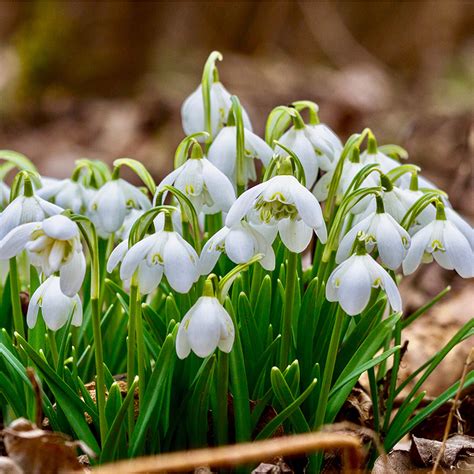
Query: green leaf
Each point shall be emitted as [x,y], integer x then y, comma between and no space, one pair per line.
[139,170]
[18,159]
[111,441]
[154,396]
[72,406]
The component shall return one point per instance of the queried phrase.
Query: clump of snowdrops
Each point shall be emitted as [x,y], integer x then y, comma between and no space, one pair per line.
[259,273]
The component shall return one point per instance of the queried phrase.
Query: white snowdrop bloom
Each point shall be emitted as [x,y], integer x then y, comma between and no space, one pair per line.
[53,245]
[192,110]
[208,188]
[352,281]
[442,240]
[24,209]
[56,307]
[386,163]
[4,195]
[68,194]
[287,203]
[111,202]
[164,252]
[240,243]
[223,153]
[297,141]
[205,327]
[159,221]
[382,230]
[349,171]
[327,144]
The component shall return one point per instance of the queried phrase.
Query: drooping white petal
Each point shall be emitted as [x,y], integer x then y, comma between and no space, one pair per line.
[117,255]
[77,312]
[391,249]
[355,287]
[223,151]
[392,292]
[347,243]
[218,185]
[15,241]
[180,262]
[295,234]
[308,206]
[265,247]
[459,250]
[72,274]
[33,305]
[417,248]
[135,255]
[259,147]
[60,227]
[10,217]
[110,206]
[149,277]
[204,328]
[227,335]
[183,348]
[243,204]
[192,113]
[56,307]
[239,245]
[48,208]
[211,251]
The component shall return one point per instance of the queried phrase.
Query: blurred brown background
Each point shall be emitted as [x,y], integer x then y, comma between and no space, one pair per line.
[106,79]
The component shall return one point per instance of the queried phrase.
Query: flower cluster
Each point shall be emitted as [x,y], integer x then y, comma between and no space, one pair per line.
[378,217]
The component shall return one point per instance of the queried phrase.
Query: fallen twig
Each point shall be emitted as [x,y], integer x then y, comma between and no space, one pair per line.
[238,454]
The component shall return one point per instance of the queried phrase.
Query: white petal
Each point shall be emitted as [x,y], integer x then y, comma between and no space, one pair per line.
[389,242]
[183,347]
[210,253]
[223,151]
[295,234]
[355,288]
[218,186]
[321,189]
[180,262]
[461,224]
[417,248]
[347,243]
[48,208]
[204,329]
[77,314]
[308,206]
[227,336]
[56,307]
[117,255]
[149,277]
[111,206]
[459,250]
[239,245]
[135,255]
[10,217]
[259,146]
[60,227]
[391,289]
[14,242]
[192,113]
[265,247]
[33,306]
[72,274]
[243,204]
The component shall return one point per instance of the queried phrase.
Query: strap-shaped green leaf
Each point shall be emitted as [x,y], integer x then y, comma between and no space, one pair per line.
[139,170]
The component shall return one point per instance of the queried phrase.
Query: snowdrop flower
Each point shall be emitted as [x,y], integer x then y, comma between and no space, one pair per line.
[223,153]
[382,230]
[208,188]
[287,203]
[349,171]
[164,252]
[297,141]
[326,143]
[240,243]
[206,326]
[56,307]
[24,209]
[192,110]
[352,281]
[442,240]
[53,245]
[68,194]
[111,202]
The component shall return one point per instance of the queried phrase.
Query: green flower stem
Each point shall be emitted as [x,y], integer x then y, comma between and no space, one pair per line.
[15,298]
[290,288]
[397,333]
[53,347]
[329,369]
[240,142]
[132,323]
[135,307]
[222,390]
